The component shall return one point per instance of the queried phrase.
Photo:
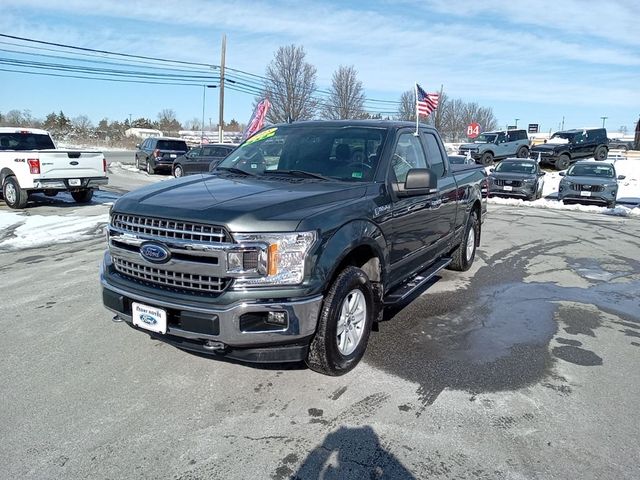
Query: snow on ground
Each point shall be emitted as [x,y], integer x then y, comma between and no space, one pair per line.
[19,231]
[130,168]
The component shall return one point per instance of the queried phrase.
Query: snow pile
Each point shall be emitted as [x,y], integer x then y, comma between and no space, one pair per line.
[124,166]
[19,231]
[618,210]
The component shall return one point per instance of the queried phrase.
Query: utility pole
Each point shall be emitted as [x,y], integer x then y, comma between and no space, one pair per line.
[603,120]
[562,123]
[517,122]
[221,118]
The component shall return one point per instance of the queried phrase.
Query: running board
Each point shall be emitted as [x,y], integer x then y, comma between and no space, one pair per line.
[409,288]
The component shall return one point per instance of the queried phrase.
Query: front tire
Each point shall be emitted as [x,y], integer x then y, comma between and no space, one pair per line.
[463,256]
[83,196]
[344,324]
[601,153]
[14,196]
[563,162]
[487,159]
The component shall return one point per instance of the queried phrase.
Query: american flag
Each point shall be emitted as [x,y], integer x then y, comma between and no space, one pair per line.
[427,102]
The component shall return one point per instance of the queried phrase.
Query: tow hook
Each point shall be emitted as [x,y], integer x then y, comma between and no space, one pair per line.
[213,346]
[117,319]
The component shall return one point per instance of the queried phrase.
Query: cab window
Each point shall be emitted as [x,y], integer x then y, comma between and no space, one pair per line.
[434,154]
[408,154]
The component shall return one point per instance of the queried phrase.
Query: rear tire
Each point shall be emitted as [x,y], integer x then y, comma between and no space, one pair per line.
[523,152]
[14,196]
[150,169]
[177,171]
[464,255]
[563,162]
[83,196]
[348,306]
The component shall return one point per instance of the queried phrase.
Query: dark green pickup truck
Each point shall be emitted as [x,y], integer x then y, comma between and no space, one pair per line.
[293,246]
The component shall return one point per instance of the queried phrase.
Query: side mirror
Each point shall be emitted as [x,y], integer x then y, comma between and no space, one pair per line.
[137,145]
[562,174]
[621,177]
[542,174]
[419,181]
[491,170]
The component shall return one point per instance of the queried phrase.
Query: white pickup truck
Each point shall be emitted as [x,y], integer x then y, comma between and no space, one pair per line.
[30,163]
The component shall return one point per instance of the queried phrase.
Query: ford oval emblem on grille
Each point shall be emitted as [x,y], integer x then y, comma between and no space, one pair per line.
[73,163]
[155,252]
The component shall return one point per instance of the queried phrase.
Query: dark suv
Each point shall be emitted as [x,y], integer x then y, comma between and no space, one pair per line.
[564,148]
[201,159]
[158,153]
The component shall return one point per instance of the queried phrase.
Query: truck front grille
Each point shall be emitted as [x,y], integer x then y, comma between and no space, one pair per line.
[513,183]
[587,188]
[168,278]
[172,229]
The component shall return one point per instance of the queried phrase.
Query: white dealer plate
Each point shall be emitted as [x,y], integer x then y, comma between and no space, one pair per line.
[507,188]
[585,194]
[149,318]
[74,182]
[173,155]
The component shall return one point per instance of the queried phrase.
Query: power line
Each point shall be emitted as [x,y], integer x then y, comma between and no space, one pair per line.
[253,84]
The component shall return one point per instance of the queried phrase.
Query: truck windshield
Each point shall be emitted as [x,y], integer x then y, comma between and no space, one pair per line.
[516,167]
[25,141]
[486,138]
[339,153]
[590,171]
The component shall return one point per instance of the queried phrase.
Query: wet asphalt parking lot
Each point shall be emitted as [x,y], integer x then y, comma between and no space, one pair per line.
[525,367]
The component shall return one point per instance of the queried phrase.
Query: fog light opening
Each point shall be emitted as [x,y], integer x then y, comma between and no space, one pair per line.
[278,318]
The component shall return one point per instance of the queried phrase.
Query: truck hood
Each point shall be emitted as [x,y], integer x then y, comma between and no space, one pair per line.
[471,145]
[242,204]
[513,176]
[549,148]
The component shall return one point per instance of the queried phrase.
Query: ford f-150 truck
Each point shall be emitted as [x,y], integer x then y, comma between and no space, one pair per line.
[293,246]
[30,163]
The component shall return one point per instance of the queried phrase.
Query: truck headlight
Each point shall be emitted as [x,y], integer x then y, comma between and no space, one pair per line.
[279,260]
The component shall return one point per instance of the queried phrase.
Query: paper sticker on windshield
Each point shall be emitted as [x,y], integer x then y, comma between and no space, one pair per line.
[270,132]
[356,175]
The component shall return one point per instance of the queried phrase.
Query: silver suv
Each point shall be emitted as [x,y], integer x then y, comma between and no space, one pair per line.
[490,146]
[590,182]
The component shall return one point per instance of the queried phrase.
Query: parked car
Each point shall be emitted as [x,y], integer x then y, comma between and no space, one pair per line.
[590,182]
[30,163]
[296,261]
[619,144]
[201,159]
[158,153]
[517,177]
[490,146]
[568,146]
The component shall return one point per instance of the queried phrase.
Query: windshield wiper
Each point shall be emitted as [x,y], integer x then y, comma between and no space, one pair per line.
[298,173]
[236,170]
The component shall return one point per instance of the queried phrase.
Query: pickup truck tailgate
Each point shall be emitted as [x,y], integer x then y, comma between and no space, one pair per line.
[71,164]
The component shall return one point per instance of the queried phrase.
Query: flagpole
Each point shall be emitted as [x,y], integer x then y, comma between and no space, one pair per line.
[417,114]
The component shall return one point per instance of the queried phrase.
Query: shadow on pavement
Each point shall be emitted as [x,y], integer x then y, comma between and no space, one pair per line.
[347,453]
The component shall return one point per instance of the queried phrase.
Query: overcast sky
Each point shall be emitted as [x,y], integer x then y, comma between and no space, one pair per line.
[536,62]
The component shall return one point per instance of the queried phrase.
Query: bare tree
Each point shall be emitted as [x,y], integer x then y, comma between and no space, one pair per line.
[346,98]
[194,124]
[167,121]
[289,87]
[407,108]
[81,126]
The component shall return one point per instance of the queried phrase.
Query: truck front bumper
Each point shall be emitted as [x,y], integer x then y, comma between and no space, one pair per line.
[239,331]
